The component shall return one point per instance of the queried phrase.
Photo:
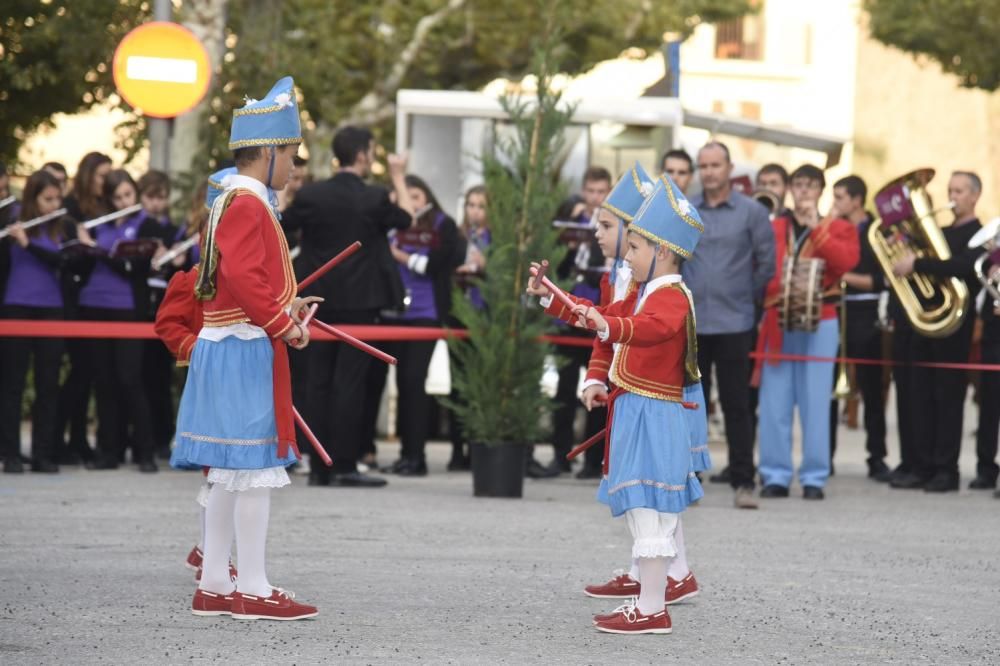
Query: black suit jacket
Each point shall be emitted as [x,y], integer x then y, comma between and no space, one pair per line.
[331,215]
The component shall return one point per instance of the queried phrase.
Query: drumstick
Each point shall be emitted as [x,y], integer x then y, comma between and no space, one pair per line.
[312,438]
[354,342]
[319,272]
[540,273]
[556,291]
[580,448]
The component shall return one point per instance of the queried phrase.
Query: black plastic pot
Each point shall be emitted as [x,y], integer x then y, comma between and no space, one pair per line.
[498,470]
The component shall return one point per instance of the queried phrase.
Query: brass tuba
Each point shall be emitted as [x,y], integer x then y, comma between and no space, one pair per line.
[988,239]
[768,200]
[935,306]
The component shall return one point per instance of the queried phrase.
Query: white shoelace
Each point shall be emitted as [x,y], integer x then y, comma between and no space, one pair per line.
[288,594]
[628,610]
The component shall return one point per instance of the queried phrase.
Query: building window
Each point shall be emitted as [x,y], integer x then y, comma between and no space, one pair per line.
[742,38]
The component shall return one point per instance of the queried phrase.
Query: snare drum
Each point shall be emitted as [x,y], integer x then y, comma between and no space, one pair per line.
[801,304]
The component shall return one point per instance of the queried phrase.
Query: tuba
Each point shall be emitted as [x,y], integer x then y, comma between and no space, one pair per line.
[935,306]
[768,200]
[988,239]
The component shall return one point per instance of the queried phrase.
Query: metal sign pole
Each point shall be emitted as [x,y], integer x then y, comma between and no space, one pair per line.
[159,128]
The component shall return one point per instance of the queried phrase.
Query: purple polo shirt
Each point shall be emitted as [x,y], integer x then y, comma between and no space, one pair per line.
[32,282]
[420,288]
[106,288]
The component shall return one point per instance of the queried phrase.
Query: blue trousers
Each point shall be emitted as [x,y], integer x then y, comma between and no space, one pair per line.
[806,385]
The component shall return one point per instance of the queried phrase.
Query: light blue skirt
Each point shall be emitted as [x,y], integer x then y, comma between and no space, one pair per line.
[226,416]
[650,457]
[701,461]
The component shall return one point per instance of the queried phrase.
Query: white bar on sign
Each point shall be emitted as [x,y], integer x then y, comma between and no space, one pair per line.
[167,70]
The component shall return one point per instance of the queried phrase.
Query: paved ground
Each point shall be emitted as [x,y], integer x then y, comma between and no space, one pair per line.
[421,572]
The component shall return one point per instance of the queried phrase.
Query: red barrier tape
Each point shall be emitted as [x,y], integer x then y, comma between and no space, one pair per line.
[144,330]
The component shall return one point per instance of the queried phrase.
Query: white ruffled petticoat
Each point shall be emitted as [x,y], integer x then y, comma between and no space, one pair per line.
[652,532]
[235,480]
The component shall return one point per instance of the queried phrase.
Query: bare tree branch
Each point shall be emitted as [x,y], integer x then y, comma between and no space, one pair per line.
[632,27]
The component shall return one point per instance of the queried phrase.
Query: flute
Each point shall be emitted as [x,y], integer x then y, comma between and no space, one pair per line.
[98,221]
[176,251]
[6,201]
[34,222]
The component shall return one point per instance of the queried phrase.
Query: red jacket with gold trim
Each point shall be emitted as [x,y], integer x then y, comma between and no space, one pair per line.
[254,280]
[179,318]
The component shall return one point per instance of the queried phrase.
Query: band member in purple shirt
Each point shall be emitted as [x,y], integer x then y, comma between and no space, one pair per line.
[427,254]
[116,291]
[33,291]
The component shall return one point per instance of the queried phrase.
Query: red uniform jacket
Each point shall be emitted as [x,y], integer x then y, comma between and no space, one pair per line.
[254,284]
[179,318]
[835,241]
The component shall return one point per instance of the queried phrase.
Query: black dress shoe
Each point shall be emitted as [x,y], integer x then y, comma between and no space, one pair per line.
[942,482]
[45,467]
[394,467]
[148,467]
[102,463]
[982,483]
[773,491]
[812,493]
[589,472]
[879,471]
[357,480]
[459,464]
[722,477]
[907,481]
[13,465]
[319,478]
[537,470]
[413,468]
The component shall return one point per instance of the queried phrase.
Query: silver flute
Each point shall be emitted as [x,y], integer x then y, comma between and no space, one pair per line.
[98,221]
[176,251]
[34,222]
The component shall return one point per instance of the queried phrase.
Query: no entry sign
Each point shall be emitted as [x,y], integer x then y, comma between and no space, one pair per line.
[161,69]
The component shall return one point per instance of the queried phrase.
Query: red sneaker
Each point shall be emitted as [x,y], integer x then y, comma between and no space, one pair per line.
[232,573]
[631,621]
[679,590]
[194,559]
[209,603]
[622,586]
[279,606]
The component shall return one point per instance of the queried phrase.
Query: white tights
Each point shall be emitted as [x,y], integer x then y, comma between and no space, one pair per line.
[242,514]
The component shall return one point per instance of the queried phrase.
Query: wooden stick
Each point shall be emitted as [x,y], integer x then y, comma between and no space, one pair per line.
[580,448]
[539,274]
[354,342]
[312,438]
[322,270]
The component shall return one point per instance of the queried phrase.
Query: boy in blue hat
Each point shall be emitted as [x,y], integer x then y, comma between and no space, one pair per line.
[615,214]
[649,475]
[235,414]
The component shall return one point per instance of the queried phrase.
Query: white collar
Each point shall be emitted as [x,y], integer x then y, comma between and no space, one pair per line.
[252,184]
[656,283]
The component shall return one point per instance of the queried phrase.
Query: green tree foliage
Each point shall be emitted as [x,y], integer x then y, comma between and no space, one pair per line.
[959,34]
[499,367]
[55,57]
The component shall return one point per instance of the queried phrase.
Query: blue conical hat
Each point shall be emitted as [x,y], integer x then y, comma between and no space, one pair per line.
[216,185]
[272,121]
[628,194]
[668,218]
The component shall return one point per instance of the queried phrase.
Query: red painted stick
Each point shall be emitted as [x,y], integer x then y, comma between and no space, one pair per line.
[556,291]
[539,274]
[319,272]
[580,448]
[309,314]
[354,342]
[312,438]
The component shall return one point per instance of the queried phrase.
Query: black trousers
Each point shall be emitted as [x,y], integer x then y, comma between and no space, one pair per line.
[16,355]
[337,389]
[902,377]
[121,392]
[567,403]
[938,400]
[158,379]
[413,405]
[729,354]
[74,396]
[864,340]
[989,412]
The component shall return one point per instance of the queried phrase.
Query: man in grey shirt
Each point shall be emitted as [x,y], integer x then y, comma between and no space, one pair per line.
[727,275]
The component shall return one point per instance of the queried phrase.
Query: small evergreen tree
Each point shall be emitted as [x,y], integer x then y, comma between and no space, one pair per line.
[498,371]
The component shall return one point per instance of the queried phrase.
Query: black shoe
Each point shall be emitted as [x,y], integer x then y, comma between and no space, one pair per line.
[163,453]
[148,467]
[812,493]
[942,482]
[102,463]
[357,480]
[879,471]
[773,491]
[722,477]
[45,467]
[459,464]
[394,467]
[413,468]
[560,464]
[68,457]
[589,472]
[906,481]
[537,470]
[319,478]
[13,465]
[982,483]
